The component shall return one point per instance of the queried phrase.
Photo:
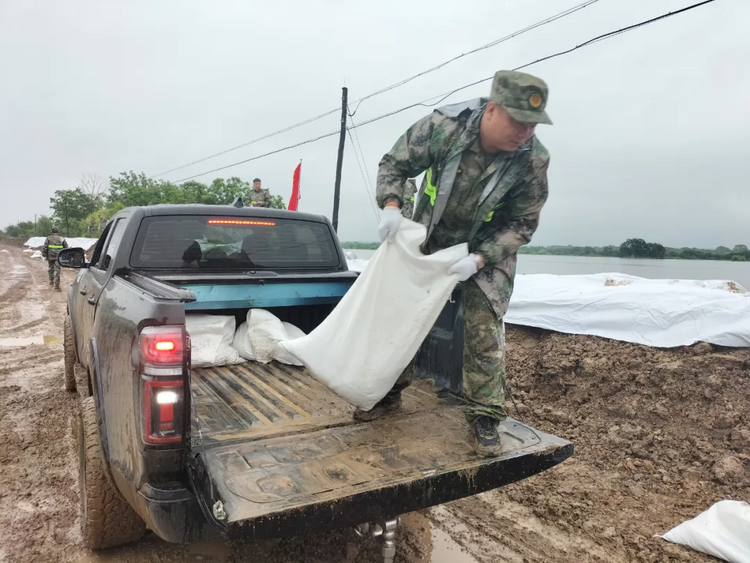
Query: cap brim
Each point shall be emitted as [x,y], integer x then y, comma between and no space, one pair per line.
[529,116]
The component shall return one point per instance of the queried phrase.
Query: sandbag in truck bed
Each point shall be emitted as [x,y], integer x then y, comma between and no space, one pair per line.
[363,346]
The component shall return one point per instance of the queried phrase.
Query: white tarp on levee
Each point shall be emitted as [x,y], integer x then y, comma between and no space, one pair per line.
[73,242]
[660,313]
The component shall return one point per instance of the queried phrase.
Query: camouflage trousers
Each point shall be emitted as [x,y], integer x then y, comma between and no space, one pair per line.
[54,273]
[484,357]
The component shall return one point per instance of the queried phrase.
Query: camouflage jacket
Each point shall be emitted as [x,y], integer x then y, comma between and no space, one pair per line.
[53,244]
[496,202]
[259,198]
[410,192]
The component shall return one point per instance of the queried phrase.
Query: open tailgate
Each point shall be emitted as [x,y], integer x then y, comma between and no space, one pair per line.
[275,453]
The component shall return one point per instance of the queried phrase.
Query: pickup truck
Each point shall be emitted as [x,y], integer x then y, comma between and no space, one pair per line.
[251,450]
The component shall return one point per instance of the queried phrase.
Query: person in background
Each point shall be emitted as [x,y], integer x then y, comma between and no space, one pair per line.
[485,184]
[92,227]
[102,223]
[53,244]
[259,197]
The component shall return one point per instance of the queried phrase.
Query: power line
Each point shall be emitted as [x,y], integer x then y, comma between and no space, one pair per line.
[482,48]
[365,183]
[442,97]
[365,173]
[388,88]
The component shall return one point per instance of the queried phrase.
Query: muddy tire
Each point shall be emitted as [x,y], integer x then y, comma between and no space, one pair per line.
[107,520]
[70,356]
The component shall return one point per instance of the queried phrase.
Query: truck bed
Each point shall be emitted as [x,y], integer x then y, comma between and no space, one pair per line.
[283,455]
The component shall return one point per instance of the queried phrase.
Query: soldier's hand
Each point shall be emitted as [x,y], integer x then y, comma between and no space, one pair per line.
[390,220]
[467,267]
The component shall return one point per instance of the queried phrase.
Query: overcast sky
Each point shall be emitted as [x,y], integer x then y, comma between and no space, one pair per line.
[651,127]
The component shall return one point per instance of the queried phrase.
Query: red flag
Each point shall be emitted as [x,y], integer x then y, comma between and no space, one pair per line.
[295,188]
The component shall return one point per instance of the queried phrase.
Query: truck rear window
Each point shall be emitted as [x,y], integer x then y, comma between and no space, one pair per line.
[210,242]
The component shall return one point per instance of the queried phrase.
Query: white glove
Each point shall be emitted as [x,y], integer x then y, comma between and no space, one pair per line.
[466,267]
[390,220]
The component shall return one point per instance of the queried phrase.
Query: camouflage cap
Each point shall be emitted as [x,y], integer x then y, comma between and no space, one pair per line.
[523,96]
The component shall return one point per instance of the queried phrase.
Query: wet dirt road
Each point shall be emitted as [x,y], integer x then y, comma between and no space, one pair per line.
[660,435]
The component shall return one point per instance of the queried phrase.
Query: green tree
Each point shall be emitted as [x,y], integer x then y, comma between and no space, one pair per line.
[277,202]
[634,248]
[70,208]
[740,248]
[656,250]
[738,258]
[722,250]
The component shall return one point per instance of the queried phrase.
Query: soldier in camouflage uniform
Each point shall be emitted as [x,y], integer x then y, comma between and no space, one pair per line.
[53,244]
[259,197]
[485,184]
[410,191]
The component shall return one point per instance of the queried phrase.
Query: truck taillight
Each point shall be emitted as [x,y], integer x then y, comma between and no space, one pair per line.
[163,409]
[162,347]
[163,360]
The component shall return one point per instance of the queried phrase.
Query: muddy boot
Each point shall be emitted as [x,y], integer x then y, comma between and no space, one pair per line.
[486,439]
[57,288]
[389,403]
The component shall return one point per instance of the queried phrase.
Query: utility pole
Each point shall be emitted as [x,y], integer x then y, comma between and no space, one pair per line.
[340,160]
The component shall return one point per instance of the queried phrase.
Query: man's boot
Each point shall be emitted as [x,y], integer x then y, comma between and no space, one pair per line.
[389,403]
[485,436]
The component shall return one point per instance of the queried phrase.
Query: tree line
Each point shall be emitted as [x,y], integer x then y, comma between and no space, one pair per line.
[639,248]
[74,209]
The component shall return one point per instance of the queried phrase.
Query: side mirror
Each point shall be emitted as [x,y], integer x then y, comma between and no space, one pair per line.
[72,258]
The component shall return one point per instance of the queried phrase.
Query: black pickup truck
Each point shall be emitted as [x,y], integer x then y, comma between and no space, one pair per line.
[250,450]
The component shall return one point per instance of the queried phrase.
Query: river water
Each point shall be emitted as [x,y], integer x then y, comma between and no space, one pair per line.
[654,269]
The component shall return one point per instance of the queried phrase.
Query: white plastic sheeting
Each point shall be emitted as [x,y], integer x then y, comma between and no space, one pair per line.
[722,531]
[211,340]
[660,313]
[363,346]
[73,242]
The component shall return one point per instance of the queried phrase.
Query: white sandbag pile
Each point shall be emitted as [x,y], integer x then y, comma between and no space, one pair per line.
[722,531]
[368,340]
[259,337]
[211,339]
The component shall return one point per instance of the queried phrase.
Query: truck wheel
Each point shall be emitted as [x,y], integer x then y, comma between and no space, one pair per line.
[70,356]
[107,520]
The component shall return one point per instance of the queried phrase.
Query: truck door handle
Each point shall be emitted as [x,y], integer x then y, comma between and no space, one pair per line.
[83,290]
[92,300]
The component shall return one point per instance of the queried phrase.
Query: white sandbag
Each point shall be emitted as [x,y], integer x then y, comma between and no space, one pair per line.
[265,332]
[242,343]
[368,340]
[211,339]
[722,531]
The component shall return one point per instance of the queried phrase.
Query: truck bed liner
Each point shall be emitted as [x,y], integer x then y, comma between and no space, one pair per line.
[283,455]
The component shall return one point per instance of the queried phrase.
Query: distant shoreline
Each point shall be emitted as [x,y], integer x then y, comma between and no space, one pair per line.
[738,254]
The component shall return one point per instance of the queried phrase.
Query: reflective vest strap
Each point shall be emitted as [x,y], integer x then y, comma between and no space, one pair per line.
[54,246]
[431,189]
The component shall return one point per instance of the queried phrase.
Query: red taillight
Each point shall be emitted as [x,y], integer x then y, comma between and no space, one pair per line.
[163,360]
[162,346]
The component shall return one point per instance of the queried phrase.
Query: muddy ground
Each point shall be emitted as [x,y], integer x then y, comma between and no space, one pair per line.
[660,435]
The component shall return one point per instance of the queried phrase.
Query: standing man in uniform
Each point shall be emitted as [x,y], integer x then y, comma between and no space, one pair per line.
[92,227]
[53,244]
[485,184]
[102,224]
[259,197]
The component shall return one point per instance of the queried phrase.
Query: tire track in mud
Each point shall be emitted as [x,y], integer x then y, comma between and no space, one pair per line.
[38,499]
